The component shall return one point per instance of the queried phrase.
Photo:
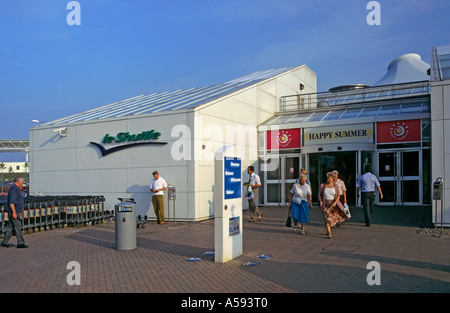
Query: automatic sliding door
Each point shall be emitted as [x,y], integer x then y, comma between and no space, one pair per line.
[387,169]
[410,180]
[280,180]
[399,175]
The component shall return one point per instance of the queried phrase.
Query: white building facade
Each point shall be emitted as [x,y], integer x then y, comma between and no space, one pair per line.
[440,118]
[113,150]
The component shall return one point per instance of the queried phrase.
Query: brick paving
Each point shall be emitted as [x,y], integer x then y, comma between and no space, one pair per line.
[409,261]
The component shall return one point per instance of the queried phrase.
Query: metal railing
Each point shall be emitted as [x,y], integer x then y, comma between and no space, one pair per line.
[299,102]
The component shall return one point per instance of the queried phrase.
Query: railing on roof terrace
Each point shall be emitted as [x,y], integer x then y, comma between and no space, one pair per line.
[324,99]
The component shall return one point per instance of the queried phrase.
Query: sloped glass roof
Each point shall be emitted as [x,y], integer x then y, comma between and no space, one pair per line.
[352,113]
[172,100]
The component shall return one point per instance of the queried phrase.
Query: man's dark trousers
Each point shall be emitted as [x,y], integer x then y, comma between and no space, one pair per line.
[14,225]
[367,200]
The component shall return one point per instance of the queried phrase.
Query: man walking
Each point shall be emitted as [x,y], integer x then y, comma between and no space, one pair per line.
[14,208]
[367,184]
[254,182]
[158,186]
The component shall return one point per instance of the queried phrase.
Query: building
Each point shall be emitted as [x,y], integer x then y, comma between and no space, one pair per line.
[349,127]
[113,150]
[15,167]
[440,118]
[277,121]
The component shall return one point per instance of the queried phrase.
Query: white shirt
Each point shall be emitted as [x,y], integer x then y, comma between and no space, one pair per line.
[254,180]
[158,184]
[330,193]
[300,192]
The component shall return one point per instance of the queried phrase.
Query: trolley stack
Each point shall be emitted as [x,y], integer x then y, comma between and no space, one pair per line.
[48,212]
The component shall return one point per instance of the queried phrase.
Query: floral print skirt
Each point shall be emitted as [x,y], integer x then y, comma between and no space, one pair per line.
[333,214]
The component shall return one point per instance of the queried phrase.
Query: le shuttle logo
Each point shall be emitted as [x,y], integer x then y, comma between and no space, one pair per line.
[144,138]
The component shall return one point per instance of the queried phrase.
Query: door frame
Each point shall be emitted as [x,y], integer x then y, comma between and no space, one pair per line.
[281,181]
[398,177]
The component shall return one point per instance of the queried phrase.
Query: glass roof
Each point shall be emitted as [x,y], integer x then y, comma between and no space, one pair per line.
[441,63]
[350,114]
[168,101]
[377,93]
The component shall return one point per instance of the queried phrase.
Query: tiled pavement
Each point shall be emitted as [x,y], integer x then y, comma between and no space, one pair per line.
[409,261]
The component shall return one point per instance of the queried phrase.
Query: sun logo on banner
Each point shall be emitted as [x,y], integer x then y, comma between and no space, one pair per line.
[399,131]
[284,138]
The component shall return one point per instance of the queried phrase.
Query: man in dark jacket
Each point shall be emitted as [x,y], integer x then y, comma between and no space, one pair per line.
[14,208]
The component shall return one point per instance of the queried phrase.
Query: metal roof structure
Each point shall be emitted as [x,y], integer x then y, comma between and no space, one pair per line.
[170,101]
[14,146]
[440,63]
[351,114]
[354,96]
[371,103]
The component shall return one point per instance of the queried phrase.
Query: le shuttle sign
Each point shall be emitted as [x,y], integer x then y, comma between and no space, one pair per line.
[232,174]
[399,131]
[283,139]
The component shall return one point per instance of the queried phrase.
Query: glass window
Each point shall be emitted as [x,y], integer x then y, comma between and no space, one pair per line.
[389,191]
[446,73]
[410,190]
[292,168]
[445,63]
[369,112]
[366,159]
[387,164]
[412,108]
[389,110]
[426,164]
[334,115]
[351,114]
[426,130]
[273,193]
[444,57]
[410,164]
[318,116]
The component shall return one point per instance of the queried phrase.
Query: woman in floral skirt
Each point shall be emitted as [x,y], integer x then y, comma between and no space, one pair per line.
[328,200]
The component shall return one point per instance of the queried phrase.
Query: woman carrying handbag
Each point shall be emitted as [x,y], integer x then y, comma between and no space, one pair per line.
[300,202]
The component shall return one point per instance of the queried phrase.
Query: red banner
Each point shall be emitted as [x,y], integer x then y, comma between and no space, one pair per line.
[283,139]
[398,131]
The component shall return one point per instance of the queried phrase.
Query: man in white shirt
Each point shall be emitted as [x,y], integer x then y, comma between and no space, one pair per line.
[254,182]
[157,187]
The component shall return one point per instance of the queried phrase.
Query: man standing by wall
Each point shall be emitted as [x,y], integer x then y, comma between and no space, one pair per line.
[254,182]
[367,184]
[14,207]
[158,186]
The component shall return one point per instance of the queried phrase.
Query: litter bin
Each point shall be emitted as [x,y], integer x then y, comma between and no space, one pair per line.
[125,212]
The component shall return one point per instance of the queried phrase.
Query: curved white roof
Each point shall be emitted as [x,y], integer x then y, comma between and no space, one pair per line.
[404,69]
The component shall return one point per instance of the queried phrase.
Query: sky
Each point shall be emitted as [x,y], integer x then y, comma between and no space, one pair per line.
[50,69]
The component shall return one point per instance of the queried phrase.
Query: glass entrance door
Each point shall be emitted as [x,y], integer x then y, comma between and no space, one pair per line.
[400,175]
[319,164]
[279,180]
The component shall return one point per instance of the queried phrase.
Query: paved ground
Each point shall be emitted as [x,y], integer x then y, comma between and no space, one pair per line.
[409,261]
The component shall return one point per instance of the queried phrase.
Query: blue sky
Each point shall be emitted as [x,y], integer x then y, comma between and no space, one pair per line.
[49,70]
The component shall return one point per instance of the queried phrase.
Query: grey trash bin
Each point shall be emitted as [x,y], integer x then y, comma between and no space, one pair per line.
[125,212]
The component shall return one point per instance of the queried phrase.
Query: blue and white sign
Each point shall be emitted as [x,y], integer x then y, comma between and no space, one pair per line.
[232,178]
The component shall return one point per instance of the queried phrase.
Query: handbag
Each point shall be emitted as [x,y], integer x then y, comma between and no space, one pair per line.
[288,220]
[347,210]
